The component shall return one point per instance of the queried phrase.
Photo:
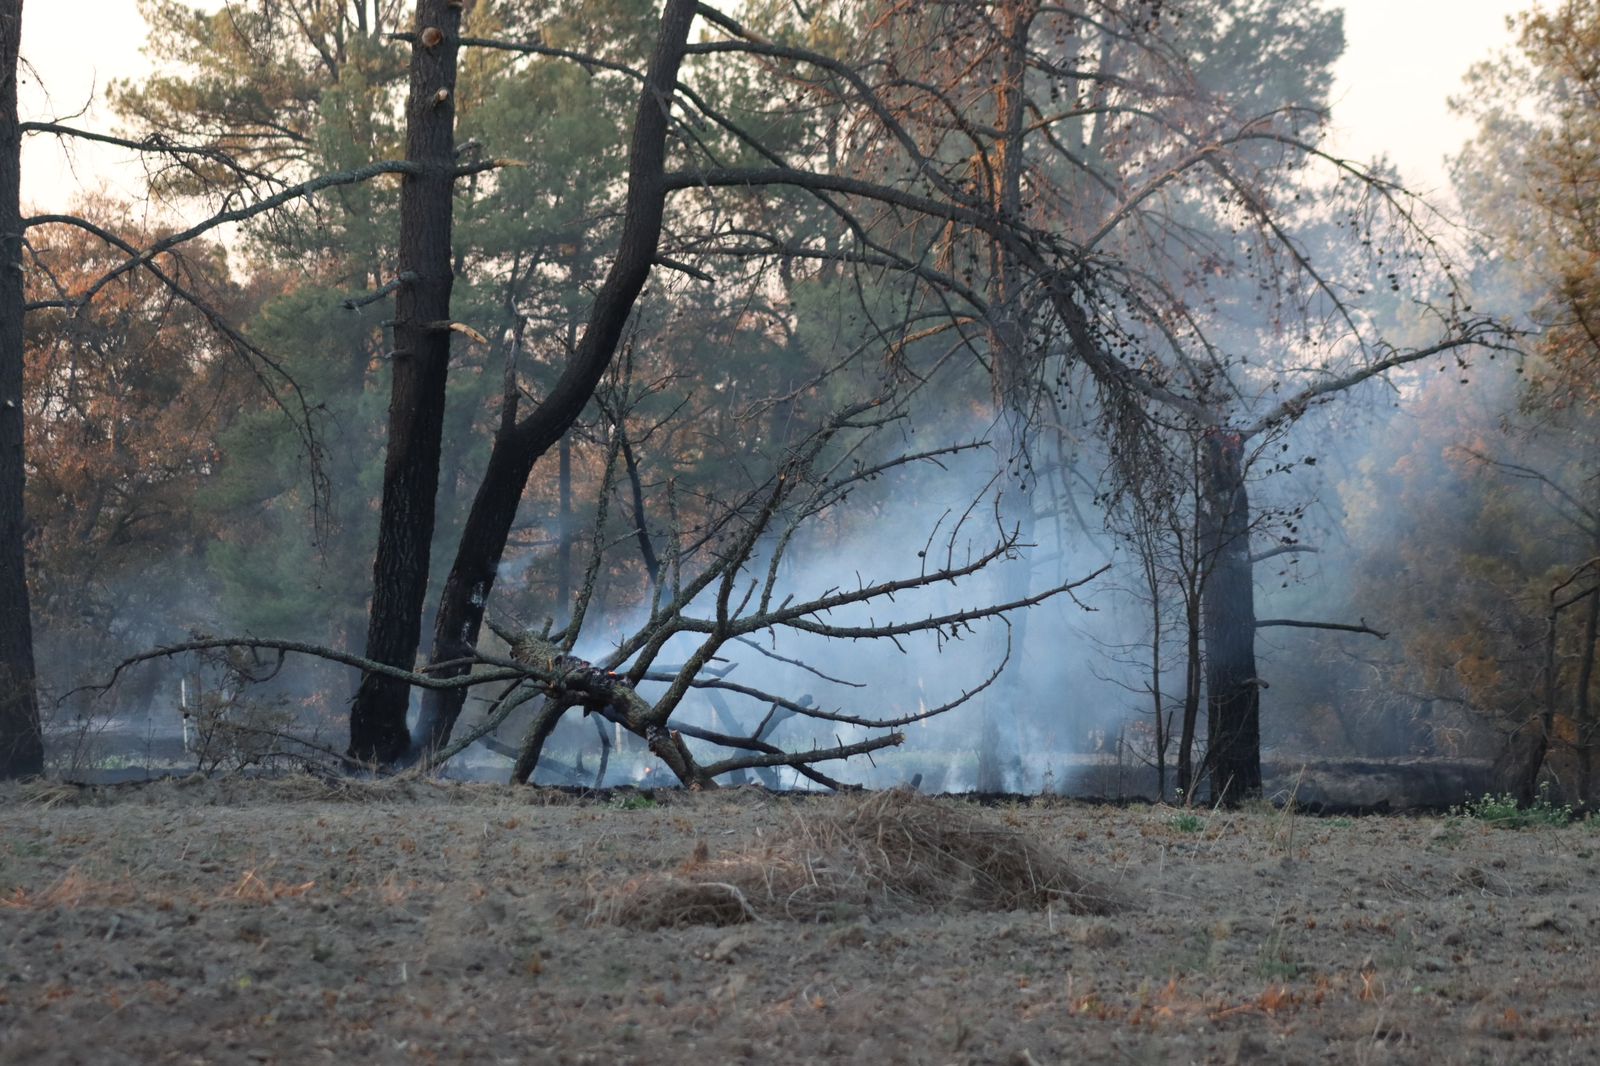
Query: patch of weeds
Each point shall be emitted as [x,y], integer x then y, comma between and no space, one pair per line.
[637,801]
[1449,834]
[1341,823]
[1188,822]
[1504,812]
[1276,962]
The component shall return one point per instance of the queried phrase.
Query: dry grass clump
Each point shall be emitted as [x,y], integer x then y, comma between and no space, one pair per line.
[320,787]
[46,793]
[405,787]
[891,850]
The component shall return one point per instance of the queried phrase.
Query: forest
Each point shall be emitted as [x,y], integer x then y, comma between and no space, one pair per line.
[965,393]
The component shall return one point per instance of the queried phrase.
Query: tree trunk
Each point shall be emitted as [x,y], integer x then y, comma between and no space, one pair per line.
[1011,370]
[417,398]
[544,723]
[515,451]
[1011,375]
[21,743]
[1191,695]
[1162,722]
[1584,714]
[1233,690]
[564,531]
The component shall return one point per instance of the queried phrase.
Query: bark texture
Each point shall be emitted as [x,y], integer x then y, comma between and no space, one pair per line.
[421,362]
[516,449]
[1233,689]
[21,744]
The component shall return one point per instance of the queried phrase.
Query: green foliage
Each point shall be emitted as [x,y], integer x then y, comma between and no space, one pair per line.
[1276,960]
[1188,822]
[1504,812]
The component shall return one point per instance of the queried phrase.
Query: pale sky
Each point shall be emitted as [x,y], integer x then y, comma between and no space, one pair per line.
[77,47]
[1405,57]
[1402,60]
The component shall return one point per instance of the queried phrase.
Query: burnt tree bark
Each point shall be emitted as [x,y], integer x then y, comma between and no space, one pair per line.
[1013,360]
[21,743]
[1191,695]
[1583,714]
[417,398]
[1233,690]
[518,447]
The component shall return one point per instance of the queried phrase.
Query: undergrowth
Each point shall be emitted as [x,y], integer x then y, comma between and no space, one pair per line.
[1504,811]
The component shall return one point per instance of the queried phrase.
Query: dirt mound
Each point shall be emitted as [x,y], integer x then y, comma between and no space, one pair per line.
[891,850]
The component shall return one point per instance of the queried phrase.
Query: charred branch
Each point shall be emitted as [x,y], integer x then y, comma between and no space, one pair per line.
[1342,627]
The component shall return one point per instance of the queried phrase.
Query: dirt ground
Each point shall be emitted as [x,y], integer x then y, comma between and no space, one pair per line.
[289,921]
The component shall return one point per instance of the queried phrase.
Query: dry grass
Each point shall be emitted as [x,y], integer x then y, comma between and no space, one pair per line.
[43,792]
[891,850]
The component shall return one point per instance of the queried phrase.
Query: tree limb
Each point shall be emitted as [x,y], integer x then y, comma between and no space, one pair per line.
[1295,623]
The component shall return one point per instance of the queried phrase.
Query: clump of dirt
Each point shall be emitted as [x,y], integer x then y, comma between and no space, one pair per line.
[883,852]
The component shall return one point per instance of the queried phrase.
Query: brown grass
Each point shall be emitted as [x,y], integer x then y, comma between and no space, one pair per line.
[42,792]
[891,850]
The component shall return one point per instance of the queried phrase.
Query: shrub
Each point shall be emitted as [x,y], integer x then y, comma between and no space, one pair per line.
[1504,811]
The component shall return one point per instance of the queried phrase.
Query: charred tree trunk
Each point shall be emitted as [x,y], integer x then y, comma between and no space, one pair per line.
[1233,690]
[1012,372]
[1010,369]
[605,693]
[515,451]
[417,398]
[564,532]
[1162,721]
[21,742]
[1584,713]
[1194,577]
[544,723]
[1191,701]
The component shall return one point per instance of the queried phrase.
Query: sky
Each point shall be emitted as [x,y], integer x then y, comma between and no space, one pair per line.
[1404,59]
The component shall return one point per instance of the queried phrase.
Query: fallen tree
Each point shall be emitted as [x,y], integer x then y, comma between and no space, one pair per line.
[717,595]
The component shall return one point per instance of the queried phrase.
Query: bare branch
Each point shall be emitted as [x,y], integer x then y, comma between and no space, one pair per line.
[1283,549]
[1343,627]
[798,758]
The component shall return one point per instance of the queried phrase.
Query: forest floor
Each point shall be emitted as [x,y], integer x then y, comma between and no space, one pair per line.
[288,921]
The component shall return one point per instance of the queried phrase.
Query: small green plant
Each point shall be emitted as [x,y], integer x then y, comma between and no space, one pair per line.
[1503,811]
[1275,959]
[1341,823]
[1188,822]
[636,801]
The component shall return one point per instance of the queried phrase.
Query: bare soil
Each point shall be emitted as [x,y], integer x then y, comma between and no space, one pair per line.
[218,921]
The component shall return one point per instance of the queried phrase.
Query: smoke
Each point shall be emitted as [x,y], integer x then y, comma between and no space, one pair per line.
[1070,680]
